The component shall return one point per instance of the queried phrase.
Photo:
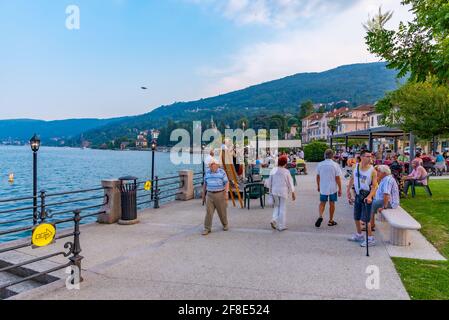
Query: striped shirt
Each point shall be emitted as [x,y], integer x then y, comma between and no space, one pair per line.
[215,181]
[388,186]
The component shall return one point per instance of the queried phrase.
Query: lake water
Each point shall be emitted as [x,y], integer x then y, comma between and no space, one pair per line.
[69,169]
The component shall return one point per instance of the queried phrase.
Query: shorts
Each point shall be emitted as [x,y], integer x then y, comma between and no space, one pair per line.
[362,210]
[331,197]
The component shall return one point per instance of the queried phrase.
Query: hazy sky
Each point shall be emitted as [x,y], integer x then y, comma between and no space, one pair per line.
[180,49]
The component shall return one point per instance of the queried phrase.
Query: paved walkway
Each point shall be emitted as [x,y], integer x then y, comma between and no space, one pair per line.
[165,257]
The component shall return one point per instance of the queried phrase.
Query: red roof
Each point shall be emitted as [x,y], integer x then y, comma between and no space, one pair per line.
[364,107]
[314,116]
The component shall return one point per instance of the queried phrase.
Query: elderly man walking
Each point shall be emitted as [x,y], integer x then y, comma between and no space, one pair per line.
[328,181]
[215,189]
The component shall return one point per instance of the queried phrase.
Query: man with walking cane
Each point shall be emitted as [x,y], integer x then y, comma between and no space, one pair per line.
[364,180]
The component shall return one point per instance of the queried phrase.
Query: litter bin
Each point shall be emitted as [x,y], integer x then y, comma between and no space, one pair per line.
[128,195]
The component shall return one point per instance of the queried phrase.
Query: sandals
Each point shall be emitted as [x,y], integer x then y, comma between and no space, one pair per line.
[318,222]
[332,223]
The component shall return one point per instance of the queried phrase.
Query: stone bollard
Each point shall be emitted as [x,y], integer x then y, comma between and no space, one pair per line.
[186,191]
[114,206]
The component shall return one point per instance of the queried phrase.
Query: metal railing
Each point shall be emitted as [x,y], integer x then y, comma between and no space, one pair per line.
[57,209]
[164,189]
[54,213]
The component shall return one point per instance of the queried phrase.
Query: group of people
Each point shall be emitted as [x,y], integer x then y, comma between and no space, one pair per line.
[371,189]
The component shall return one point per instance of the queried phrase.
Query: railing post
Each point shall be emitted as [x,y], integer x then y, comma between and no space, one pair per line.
[43,213]
[156,192]
[186,191]
[113,208]
[76,250]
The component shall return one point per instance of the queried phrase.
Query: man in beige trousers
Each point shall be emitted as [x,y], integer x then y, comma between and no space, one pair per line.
[215,189]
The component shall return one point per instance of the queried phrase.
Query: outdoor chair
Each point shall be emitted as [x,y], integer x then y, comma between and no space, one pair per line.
[418,183]
[301,167]
[254,190]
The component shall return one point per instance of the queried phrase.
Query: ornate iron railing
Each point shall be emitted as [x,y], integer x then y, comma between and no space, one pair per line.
[58,210]
[48,212]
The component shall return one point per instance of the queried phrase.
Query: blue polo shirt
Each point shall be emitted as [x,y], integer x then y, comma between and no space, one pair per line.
[215,181]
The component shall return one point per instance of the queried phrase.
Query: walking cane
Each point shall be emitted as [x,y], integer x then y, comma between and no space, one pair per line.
[366,228]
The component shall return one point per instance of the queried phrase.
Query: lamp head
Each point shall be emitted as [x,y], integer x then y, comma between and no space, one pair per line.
[153,145]
[35,143]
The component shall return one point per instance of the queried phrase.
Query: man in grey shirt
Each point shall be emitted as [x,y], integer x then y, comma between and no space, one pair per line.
[328,181]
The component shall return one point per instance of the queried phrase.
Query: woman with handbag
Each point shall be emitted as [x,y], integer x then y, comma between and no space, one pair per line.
[281,185]
[364,180]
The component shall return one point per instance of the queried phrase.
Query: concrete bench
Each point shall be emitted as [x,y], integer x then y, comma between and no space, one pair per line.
[400,223]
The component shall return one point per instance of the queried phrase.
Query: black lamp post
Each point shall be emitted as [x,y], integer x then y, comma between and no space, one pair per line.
[154,136]
[244,163]
[203,147]
[35,143]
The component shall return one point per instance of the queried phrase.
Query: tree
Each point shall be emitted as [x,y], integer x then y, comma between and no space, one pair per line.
[421,108]
[305,109]
[419,48]
[333,125]
[322,109]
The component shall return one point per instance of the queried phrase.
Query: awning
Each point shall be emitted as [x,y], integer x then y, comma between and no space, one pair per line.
[378,132]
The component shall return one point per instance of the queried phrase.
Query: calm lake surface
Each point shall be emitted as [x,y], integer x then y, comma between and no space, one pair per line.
[69,169]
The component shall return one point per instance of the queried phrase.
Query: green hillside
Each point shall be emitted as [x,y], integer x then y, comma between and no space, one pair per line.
[357,83]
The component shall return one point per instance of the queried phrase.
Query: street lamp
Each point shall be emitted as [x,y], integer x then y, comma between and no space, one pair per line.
[35,143]
[154,136]
[244,163]
[203,147]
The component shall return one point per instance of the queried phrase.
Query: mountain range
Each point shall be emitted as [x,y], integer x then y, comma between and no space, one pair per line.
[357,83]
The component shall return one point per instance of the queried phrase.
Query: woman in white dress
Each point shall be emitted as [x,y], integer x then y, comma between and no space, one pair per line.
[281,185]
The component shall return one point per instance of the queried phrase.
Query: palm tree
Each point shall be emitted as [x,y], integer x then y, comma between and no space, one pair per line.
[333,125]
[378,21]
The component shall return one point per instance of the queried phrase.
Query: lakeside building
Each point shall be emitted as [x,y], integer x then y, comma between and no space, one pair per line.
[316,125]
[142,140]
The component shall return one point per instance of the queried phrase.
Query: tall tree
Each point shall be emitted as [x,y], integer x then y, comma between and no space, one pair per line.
[422,108]
[305,109]
[419,48]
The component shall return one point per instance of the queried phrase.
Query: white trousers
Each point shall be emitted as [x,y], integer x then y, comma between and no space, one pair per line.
[279,212]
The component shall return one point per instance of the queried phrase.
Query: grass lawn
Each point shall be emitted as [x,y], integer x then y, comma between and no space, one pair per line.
[425,279]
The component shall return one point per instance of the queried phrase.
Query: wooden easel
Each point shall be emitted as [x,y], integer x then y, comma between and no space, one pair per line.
[232,176]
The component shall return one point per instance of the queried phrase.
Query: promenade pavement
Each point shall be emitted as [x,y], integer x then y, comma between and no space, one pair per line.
[165,257]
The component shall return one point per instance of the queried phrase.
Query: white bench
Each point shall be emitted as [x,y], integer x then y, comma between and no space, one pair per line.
[400,223]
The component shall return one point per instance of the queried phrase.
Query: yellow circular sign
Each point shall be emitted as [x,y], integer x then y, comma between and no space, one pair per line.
[147,186]
[43,235]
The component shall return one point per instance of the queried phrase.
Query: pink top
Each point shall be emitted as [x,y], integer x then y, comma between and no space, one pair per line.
[419,173]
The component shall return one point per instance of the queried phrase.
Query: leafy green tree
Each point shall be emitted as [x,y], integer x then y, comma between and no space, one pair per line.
[419,48]
[422,108]
[305,109]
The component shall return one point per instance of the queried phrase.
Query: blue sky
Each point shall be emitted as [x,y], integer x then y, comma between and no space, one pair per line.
[179,49]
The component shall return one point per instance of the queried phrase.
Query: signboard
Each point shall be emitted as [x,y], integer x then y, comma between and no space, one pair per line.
[147,186]
[43,235]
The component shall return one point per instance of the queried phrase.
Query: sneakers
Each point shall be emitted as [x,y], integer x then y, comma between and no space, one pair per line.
[318,222]
[283,229]
[273,225]
[371,242]
[357,237]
